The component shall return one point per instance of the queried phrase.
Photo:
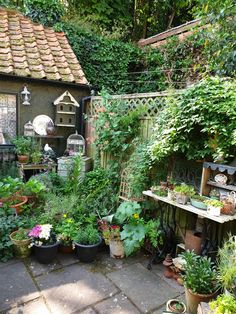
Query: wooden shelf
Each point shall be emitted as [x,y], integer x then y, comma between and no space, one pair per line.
[203,213]
[66,112]
[222,186]
[67,125]
[49,136]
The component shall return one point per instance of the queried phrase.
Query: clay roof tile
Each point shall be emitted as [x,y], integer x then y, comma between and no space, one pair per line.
[29,49]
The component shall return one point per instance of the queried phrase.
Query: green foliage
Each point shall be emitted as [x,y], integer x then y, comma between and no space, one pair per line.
[67,230]
[214,203]
[126,210]
[116,126]
[34,187]
[21,234]
[184,189]
[45,12]
[8,223]
[138,167]
[200,274]
[153,232]
[220,36]
[133,236]
[23,145]
[98,57]
[227,264]
[136,229]
[87,236]
[200,122]
[99,192]
[224,304]
[9,186]
[74,175]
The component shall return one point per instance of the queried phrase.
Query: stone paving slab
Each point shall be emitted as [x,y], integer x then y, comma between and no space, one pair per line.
[146,290]
[17,287]
[67,259]
[37,306]
[119,304]
[159,271]
[38,269]
[88,311]
[74,288]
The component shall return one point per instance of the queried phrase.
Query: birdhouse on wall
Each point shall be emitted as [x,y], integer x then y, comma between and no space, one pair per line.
[66,110]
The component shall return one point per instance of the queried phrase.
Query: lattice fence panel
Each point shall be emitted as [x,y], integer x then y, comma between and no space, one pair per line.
[153,101]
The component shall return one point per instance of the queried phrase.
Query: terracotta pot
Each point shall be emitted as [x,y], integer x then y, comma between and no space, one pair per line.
[23,159]
[17,206]
[116,249]
[65,249]
[193,241]
[228,208]
[172,308]
[21,247]
[193,299]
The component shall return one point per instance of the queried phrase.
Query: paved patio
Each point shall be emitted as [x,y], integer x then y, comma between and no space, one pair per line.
[106,286]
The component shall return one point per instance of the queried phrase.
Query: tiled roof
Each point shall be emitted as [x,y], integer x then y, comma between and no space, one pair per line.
[32,50]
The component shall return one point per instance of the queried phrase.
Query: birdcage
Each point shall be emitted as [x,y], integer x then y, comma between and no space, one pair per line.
[75,144]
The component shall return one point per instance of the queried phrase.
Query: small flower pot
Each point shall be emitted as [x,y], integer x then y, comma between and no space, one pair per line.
[213,210]
[116,249]
[228,208]
[21,247]
[23,159]
[45,254]
[65,249]
[86,253]
[181,198]
[175,306]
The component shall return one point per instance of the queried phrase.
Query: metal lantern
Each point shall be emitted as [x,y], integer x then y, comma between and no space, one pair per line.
[75,144]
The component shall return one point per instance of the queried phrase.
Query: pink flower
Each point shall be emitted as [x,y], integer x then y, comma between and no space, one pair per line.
[35,232]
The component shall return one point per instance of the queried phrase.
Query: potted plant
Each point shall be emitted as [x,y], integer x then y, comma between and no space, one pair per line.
[112,236]
[23,148]
[183,192]
[66,230]
[44,242]
[224,304]
[175,306]
[200,280]
[135,229]
[21,242]
[227,265]
[159,190]
[34,190]
[86,244]
[214,207]
[198,201]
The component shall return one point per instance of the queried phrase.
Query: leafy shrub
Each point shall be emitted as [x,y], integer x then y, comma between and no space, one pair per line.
[88,235]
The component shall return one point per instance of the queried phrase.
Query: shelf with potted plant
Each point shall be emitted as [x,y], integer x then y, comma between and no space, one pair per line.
[203,213]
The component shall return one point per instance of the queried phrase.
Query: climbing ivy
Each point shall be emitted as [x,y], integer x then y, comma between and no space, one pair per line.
[200,122]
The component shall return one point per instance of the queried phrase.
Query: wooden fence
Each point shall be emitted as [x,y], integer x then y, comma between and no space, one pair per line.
[154,103]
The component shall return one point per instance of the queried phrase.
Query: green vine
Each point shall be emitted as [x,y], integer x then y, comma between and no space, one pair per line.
[200,122]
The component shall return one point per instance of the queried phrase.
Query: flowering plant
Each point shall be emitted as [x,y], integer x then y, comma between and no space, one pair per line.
[109,232]
[67,230]
[42,235]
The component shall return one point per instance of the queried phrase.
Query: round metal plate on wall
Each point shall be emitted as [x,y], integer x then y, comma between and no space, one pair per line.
[40,124]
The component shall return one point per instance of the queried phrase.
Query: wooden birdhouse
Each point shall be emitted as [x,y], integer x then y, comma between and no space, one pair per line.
[66,110]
